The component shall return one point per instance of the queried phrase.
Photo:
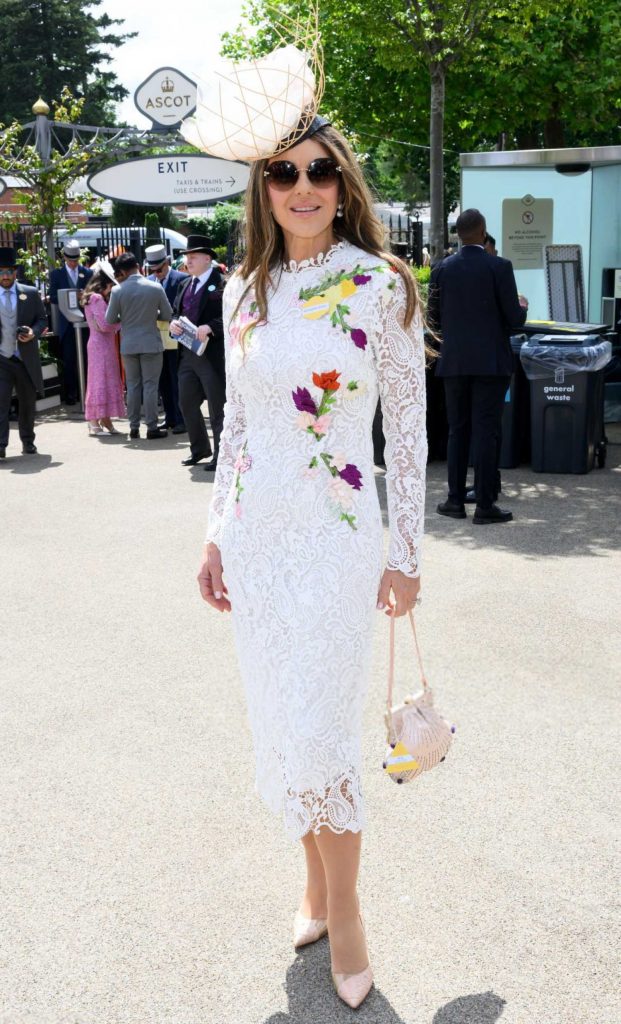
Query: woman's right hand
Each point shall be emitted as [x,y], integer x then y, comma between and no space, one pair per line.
[212,587]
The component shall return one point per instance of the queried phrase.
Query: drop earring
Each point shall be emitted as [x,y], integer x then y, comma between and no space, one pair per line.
[339,210]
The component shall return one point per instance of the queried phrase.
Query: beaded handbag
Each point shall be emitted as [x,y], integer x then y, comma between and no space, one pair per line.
[418,736]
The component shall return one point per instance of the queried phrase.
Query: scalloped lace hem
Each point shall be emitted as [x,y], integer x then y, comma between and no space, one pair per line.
[340,807]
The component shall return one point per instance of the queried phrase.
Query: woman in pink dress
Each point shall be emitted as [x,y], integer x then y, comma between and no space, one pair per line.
[104,389]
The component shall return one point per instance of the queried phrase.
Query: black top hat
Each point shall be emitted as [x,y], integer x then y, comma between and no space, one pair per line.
[200,243]
[7,257]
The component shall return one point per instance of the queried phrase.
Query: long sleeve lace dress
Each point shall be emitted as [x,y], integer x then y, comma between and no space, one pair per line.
[297,519]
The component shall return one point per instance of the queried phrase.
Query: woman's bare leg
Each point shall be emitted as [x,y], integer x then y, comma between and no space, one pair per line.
[315,900]
[340,855]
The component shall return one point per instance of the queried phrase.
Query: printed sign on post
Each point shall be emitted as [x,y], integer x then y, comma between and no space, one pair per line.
[526,230]
[166,97]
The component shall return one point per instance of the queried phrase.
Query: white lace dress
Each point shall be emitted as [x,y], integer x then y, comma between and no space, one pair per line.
[297,519]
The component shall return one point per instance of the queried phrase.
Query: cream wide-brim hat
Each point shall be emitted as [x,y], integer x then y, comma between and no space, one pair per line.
[253,109]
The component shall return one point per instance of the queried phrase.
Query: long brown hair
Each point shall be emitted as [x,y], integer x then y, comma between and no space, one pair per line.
[97,285]
[265,243]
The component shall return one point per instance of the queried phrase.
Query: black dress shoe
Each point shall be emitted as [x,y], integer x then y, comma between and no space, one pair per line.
[447,508]
[210,467]
[157,434]
[193,460]
[2,453]
[180,429]
[493,514]
[29,449]
[134,433]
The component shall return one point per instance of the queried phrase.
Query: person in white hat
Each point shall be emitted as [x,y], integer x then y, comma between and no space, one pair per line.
[160,270]
[73,274]
[319,320]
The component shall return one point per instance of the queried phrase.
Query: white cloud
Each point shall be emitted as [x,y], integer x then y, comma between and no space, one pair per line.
[183,34]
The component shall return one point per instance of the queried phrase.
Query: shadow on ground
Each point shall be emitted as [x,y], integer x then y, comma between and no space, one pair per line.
[26,465]
[483,1008]
[312,999]
[555,514]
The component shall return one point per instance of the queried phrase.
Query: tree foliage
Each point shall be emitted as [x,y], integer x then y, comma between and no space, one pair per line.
[536,73]
[46,45]
[50,177]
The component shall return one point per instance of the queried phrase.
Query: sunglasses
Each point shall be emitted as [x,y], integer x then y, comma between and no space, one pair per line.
[282,174]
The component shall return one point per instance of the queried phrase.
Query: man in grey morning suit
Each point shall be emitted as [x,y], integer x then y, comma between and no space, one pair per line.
[138,304]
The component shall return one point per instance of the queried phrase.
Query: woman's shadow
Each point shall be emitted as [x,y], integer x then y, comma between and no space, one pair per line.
[312,999]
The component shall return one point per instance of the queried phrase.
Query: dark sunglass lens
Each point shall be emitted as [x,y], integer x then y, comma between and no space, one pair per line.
[322,172]
[282,174]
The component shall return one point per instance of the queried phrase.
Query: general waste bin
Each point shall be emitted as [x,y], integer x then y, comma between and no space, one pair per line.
[566,377]
[515,446]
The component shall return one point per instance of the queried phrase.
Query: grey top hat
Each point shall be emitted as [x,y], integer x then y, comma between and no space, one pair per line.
[155,254]
[71,248]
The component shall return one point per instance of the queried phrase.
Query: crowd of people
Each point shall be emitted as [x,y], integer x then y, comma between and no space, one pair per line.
[141,306]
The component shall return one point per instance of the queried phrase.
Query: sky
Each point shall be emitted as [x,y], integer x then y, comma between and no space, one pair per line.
[183,34]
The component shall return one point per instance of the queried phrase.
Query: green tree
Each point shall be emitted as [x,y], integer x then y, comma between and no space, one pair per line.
[225,216]
[544,74]
[134,216]
[48,44]
[396,39]
[51,174]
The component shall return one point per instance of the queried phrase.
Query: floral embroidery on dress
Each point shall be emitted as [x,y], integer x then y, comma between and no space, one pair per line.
[315,419]
[243,462]
[244,317]
[328,296]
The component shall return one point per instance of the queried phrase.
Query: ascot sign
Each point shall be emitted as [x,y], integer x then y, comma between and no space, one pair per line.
[166,180]
[166,97]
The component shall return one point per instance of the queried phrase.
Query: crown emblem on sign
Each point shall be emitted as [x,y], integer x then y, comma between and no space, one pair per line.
[167,85]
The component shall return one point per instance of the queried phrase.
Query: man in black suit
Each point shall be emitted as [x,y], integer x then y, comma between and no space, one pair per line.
[474,307]
[71,275]
[199,299]
[22,321]
[159,269]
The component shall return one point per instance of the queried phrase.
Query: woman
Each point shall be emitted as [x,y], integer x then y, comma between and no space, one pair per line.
[104,390]
[319,320]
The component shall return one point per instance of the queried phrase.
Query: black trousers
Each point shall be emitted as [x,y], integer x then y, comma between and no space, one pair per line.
[474,407]
[169,388]
[199,379]
[13,374]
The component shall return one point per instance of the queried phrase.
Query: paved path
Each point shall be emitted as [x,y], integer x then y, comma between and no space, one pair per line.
[143,882]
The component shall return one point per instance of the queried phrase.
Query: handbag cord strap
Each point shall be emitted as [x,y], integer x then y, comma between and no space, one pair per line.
[391,660]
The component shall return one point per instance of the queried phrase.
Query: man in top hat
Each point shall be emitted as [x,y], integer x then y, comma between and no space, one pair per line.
[201,377]
[22,321]
[160,270]
[71,275]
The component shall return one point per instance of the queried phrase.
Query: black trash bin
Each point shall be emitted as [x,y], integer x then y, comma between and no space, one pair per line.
[566,377]
[515,446]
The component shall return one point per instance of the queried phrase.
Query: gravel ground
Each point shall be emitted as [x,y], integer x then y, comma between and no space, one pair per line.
[142,881]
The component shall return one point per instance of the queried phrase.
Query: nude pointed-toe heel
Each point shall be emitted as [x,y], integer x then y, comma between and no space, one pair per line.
[308,929]
[353,989]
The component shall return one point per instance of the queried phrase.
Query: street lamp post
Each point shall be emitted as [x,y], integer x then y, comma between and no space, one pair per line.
[43,146]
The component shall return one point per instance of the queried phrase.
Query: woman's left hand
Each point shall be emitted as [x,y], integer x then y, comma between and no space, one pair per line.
[404,588]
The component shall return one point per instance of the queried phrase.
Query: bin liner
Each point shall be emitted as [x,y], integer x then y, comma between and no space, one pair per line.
[544,355]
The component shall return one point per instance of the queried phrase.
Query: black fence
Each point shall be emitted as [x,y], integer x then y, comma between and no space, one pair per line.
[406,237]
[112,241]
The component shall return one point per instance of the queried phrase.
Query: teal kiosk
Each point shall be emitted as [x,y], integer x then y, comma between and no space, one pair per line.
[556,214]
